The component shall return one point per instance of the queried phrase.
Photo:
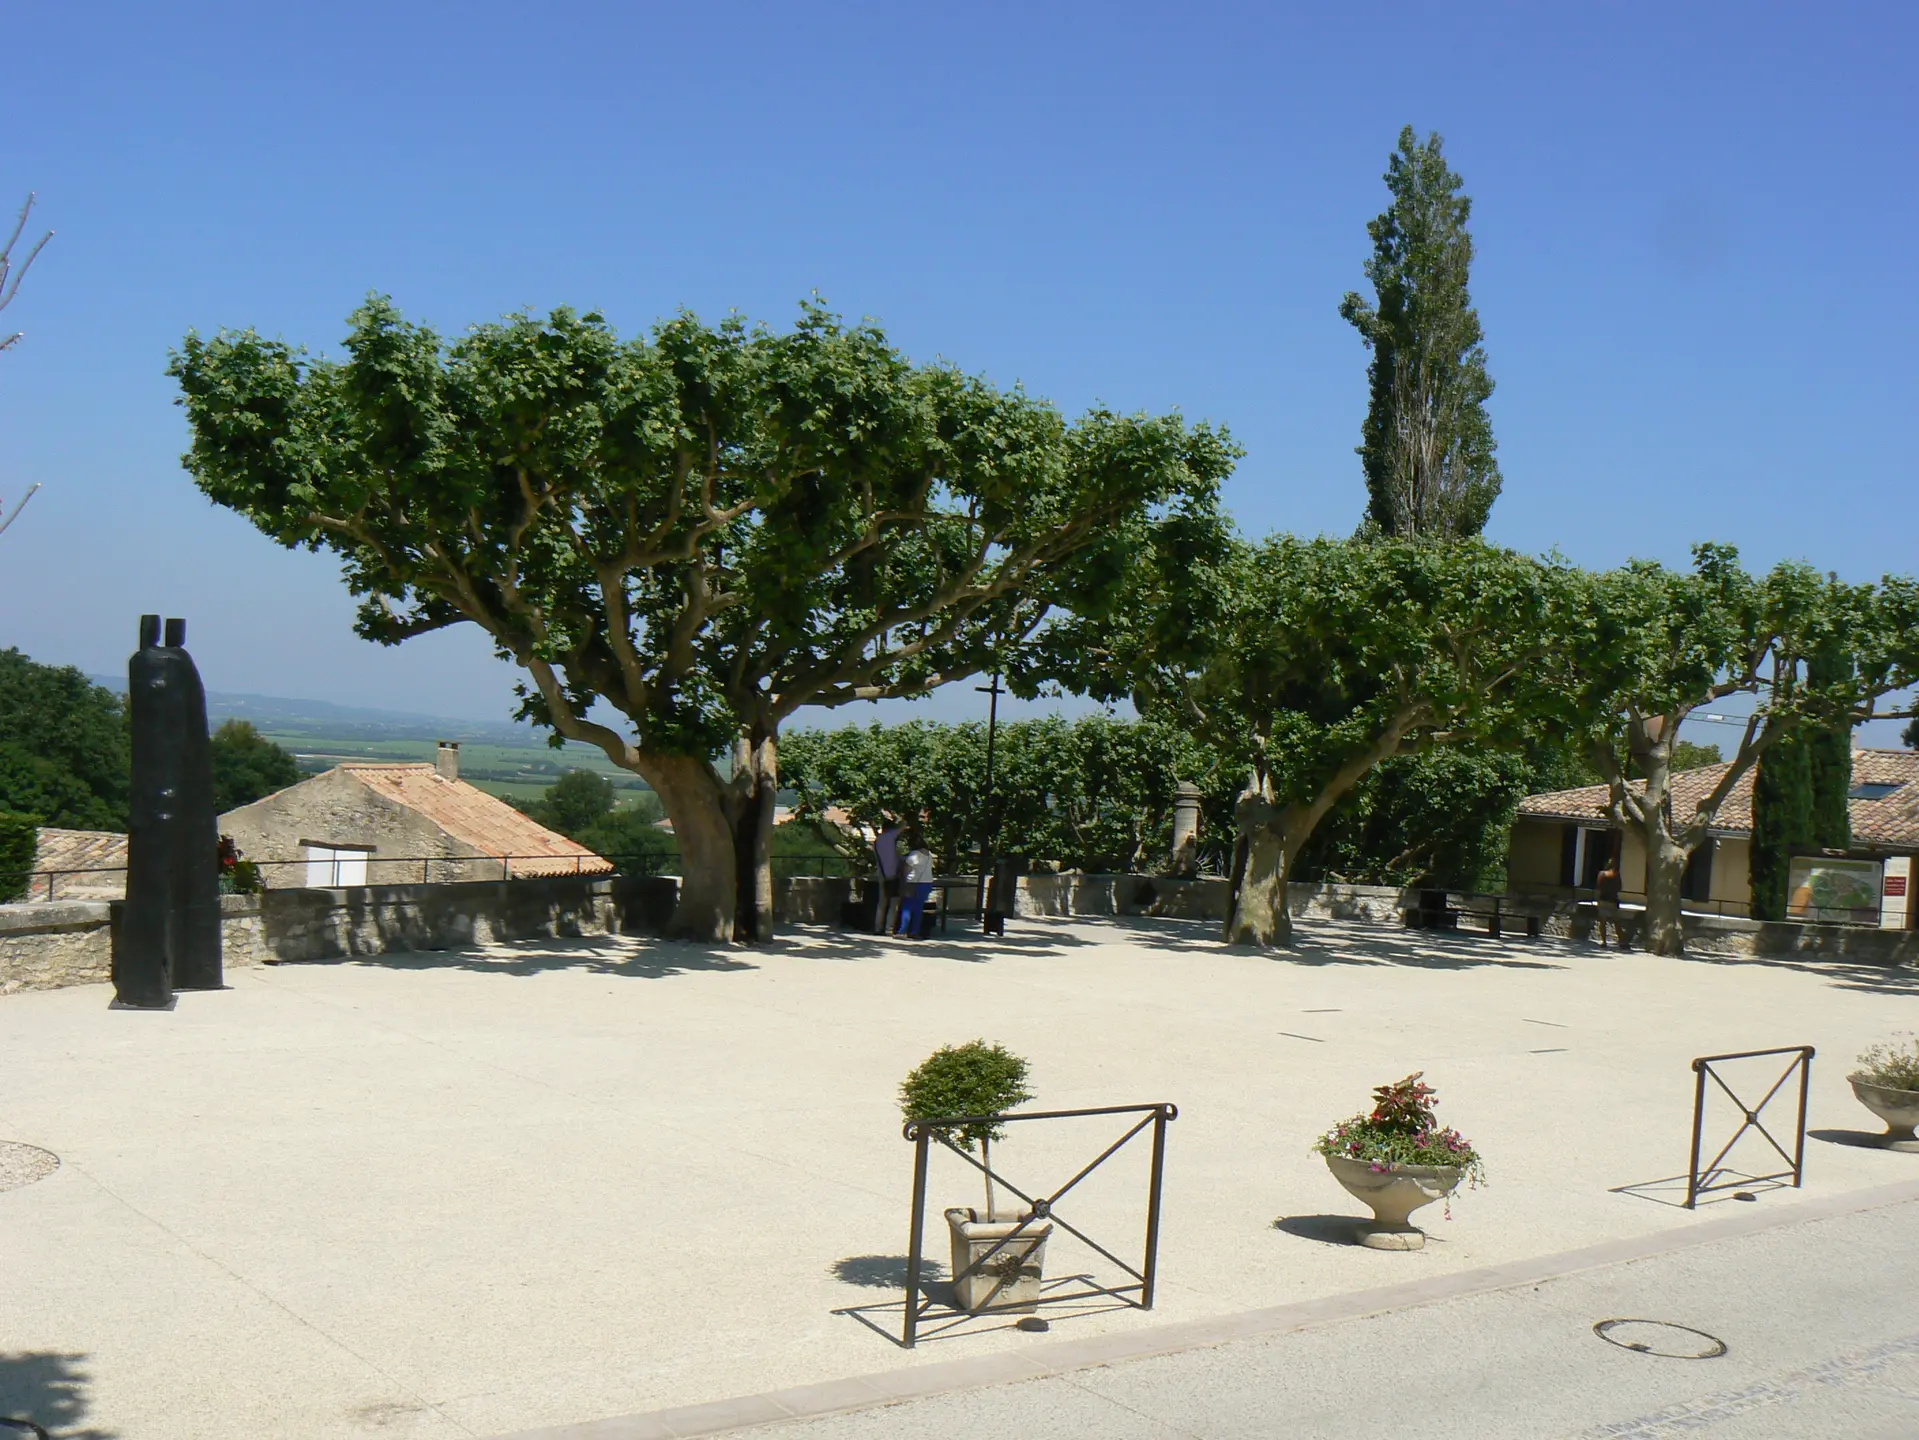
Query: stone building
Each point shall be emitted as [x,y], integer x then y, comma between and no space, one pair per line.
[78,865]
[1561,841]
[364,823]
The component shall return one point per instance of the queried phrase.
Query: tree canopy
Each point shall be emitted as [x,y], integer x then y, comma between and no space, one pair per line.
[1309,663]
[247,766]
[1652,645]
[1427,445]
[705,529]
[65,751]
[1090,794]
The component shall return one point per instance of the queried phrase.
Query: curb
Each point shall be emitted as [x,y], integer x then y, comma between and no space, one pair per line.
[1051,1358]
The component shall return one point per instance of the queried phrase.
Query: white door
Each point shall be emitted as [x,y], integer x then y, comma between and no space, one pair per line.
[329,868]
[319,867]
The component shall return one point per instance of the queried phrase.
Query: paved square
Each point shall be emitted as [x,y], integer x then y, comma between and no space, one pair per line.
[470,1194]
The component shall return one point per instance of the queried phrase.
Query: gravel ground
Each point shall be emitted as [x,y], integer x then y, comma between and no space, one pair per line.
[24,1164]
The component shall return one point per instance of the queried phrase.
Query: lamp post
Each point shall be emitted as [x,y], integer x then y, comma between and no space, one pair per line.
[989,841]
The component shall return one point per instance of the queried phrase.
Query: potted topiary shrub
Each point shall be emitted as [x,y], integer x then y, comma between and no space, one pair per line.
[998,1255]
[1396,1158]
[1887,1083]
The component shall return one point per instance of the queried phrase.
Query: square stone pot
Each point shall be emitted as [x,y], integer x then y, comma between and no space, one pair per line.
[992,1276]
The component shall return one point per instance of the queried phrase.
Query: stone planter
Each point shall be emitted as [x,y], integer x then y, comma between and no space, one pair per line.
[1394,1192]
[1898,1108]
[1002,1278]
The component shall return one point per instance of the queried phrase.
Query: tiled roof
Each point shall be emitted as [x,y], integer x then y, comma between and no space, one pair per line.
[1890,823]
[102,850]
[483,821]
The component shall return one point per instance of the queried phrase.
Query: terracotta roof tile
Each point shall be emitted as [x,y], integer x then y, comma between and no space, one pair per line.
[1890,823]
[102,850]
[483,821]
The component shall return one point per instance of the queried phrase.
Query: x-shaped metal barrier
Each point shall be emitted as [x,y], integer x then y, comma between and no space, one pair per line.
[1702,1070]
[1042,1208]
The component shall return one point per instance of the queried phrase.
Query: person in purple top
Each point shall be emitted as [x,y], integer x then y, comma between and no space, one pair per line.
[886,850]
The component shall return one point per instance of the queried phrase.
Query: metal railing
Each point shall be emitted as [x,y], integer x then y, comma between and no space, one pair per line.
[552,866]
[825,864]
[1043,1208]
[1699,1181]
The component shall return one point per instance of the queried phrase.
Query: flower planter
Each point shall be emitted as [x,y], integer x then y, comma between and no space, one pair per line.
[1002,1278]
[1393,1191]
[1898,1108]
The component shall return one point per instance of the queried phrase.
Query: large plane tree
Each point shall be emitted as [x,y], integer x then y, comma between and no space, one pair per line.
[1653,645]
[1313,662]
[702,531]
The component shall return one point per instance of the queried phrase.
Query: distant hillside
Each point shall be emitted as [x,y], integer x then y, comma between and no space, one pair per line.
[282,716]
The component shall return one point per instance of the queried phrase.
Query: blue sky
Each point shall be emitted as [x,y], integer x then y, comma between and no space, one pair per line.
[1694,228]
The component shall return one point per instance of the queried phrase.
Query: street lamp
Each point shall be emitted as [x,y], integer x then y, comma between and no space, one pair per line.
[989,840]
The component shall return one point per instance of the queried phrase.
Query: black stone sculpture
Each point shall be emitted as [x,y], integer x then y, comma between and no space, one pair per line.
[169,935]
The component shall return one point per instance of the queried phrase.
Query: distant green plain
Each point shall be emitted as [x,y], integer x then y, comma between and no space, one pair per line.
[512,772]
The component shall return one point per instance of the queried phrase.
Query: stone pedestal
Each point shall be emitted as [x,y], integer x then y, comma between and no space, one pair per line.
[1186,829]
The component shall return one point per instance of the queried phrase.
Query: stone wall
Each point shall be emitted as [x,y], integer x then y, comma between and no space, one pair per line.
[46,945]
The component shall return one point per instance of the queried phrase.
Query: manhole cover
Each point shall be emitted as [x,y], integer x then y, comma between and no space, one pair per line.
[24,1164]
[1661,1337]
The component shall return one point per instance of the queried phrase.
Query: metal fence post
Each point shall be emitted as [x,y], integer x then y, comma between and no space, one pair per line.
[920,1141]
[1799,1150]
[1698,1122]
[1152,1210]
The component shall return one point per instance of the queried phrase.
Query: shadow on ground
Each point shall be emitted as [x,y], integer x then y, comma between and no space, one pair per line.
[1326,1229]
[591,955]
[883,1272]
[1862,1139]
[1329,944]
[1725,1185]
[1864,975]
[48,1389]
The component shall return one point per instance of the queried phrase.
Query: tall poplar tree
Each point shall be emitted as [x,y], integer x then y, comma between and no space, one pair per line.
[1781,817]
[1829,758]
[1428,446]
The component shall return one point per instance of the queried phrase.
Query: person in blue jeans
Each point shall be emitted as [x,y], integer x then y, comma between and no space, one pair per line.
[916,883]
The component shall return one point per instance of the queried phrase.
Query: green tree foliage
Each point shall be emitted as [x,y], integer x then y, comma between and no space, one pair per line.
[1688,755]
[631,838]
[1799,790]
[706,530]
[1781,818]
[65,754]
[1427,445]
[1910,736]
[1442,816]
[1092,794]
[1655,645]
[576,800]
[1829,757]
[581,806]
[1311,663]
[971,1079]
[247,766]
[19,840]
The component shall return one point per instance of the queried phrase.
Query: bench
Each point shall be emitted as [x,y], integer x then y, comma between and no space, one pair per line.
[1435,910]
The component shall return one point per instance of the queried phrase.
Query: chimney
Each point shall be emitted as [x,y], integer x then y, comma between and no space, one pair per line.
[447,760]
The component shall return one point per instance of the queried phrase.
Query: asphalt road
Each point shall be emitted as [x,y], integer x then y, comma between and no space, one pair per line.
[1819,1322]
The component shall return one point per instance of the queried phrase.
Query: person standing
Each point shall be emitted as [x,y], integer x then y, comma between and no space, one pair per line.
[886,852]
[916,884]
[1610,887]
